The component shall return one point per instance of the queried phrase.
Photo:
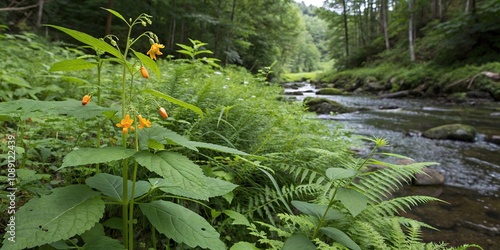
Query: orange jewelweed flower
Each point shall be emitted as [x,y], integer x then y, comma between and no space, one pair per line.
[163,113]
[144,72]
[155,50]
[85,99]
[143,122]
[126,123]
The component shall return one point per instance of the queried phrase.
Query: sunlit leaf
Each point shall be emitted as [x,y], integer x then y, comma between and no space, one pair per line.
[148,63]
[73,64]
[89,40]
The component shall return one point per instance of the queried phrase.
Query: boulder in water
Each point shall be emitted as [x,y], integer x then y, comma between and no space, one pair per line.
[325,106]
[458,132]
[429,177]
[329,91]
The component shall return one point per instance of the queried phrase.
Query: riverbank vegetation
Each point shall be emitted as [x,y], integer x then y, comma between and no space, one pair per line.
[440,47]
[113,144]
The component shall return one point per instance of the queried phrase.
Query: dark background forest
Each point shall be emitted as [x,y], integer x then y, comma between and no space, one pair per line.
[290,36]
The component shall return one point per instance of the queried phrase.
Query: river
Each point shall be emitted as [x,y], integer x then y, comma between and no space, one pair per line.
[471,170]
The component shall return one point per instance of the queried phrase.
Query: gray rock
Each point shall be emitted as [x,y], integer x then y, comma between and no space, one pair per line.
[459,132]
[325,106]
[429,177]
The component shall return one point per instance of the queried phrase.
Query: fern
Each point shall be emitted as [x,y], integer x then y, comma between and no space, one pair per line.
[367,236]
[393,207]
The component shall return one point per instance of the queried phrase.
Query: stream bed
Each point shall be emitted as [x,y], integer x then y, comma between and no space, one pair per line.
[471,170]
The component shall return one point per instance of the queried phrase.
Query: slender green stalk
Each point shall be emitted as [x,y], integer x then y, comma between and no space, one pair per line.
[98,139]
[125,215]
[131,202]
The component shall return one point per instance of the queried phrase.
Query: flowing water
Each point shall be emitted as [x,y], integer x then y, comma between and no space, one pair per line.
[471,170]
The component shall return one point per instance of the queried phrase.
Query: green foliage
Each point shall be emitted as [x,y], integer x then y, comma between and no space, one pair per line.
[57,220]
[229,156]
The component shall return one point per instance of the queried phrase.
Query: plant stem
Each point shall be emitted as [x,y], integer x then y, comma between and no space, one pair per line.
[131,202]
[332,199]
[125,216]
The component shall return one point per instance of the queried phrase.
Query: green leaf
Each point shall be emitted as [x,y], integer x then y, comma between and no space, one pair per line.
[182,225]
[116,14]
[353,200]
[15,80]
[148,63]
[64,213]
[238,218]
[340,173]
[102,243]
[89,40]
[219,148]
[164,135]
[340,237]
[174,101]
[211,187]
[85,156]
[317,210]
[112,186]
[176,169]
[73,64]
[243,245]
[298,242]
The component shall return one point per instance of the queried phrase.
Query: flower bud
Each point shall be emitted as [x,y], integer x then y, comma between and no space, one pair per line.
[144,72]
[163,113]
[143,23]
[85,100]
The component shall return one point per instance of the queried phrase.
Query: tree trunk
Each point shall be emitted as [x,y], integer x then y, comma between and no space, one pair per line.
[383,18]
[346,32]
[467,6]
[410,31]
[109,18]
[40,13]
[229,33]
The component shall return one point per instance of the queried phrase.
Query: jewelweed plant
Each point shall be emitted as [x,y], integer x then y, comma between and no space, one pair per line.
[76,209]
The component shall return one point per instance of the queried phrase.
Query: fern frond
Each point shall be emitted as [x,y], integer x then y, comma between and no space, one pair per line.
[394,206]
[367,236]
[378,184]
[324,246]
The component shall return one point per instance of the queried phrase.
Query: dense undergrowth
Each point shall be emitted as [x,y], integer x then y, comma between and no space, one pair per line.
[233,166]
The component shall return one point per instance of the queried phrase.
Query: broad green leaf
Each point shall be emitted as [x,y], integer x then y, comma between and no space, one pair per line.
[89,40]
[148,63]
[73,64]
[96,231]
[238,218]
[340,173]
[165,136]
[85,156]
[64,213]
[219,148]
[175,168]
[102,243]
[116,14]
[182,225]
[15,80]
[211,187]
[340,237]
[353,200]
[114,223]
[243,245]
[317,210]
[298,242]
[174,101]
[112,186]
